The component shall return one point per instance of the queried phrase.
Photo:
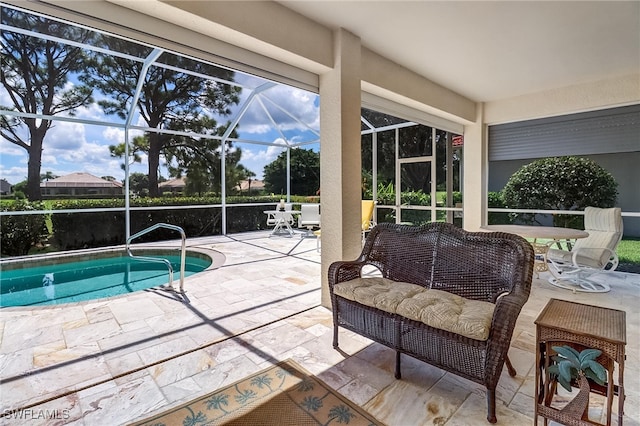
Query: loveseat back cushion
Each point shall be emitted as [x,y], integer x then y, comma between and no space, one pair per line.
[436,308]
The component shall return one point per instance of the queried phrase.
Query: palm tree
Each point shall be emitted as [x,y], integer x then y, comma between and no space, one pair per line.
[46,176]
[217,401]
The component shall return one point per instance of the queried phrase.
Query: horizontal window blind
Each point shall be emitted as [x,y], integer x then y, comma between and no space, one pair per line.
[607,131]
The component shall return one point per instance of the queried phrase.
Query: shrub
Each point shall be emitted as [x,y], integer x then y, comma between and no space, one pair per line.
[105,228]
[560,183]
[19,233]
[496,200]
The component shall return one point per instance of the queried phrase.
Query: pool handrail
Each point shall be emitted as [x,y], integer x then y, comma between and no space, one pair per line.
[183,251]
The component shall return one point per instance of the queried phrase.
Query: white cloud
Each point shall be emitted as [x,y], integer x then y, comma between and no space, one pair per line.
[113,134]
[298,103]
[8,148]
[92,112]
[14,174]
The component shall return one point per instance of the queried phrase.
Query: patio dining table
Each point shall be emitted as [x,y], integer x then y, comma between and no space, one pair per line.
[550,235]
[283,219]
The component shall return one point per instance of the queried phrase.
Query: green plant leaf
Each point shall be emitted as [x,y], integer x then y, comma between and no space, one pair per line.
[567,352]
[567,370]
[598,370]
[565,383]
[588,355]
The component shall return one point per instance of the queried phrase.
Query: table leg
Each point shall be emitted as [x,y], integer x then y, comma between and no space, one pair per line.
[282,225]
[621,390]
[537,383]
[278,226]
[540,262]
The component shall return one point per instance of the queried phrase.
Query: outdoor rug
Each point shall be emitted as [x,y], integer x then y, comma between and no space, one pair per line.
[283,394]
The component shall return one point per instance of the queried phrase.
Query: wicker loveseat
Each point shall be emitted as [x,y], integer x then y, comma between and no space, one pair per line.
[444,296]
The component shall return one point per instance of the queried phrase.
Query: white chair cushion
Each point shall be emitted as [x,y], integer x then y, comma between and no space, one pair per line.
[605,230]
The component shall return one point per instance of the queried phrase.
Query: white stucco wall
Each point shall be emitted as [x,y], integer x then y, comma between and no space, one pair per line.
[340,160]
[617,91]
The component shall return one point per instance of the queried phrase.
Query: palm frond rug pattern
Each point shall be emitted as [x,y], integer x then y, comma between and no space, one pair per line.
[283,394]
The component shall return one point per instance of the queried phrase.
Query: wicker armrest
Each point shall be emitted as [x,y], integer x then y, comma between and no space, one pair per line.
[344,271]
[505,314]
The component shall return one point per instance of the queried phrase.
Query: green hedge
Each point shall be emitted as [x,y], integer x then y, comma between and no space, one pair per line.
[76,230]
[99,229]
[19,233]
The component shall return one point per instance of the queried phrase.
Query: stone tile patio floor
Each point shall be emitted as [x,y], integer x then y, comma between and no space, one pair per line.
[117,360]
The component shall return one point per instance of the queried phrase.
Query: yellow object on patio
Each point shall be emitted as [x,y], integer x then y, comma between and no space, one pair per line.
[367,221]
[367,217]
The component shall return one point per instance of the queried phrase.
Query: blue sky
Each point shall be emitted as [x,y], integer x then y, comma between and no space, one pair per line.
[75,147]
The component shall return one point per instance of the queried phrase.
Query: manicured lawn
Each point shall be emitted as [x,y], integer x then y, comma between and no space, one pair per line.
[629,250]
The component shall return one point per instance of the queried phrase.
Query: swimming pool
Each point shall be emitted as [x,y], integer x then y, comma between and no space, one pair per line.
[80,278]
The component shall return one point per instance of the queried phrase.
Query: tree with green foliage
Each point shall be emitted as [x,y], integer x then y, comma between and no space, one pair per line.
[560,183]
[196,159]
[200,159]
[139,184]
[168,99]
[304,169]
[35,75]
[47,176]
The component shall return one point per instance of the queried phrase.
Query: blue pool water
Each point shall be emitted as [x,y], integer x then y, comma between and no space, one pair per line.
[78,281]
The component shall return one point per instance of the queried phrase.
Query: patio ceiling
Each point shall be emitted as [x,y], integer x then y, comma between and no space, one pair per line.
[494,50]
[520,60]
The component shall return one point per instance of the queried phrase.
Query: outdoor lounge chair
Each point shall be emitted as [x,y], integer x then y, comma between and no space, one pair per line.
[595,254]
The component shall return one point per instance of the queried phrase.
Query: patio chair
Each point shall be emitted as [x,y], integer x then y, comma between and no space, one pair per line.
[367,217]
[309,218]
[595,254]
[290,218]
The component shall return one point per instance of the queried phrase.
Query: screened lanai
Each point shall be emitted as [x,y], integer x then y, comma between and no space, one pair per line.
[108,105]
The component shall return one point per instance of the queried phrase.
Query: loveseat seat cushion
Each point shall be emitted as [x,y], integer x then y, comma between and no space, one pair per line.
[377,292]
[436,308]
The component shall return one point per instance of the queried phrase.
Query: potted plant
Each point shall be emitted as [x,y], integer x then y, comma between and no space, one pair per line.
[572,365]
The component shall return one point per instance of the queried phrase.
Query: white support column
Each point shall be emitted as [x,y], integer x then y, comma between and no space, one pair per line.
[476,173]
[340,155]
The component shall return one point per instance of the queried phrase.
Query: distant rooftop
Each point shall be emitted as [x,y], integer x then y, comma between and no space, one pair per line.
[173,183]
[80,179]
[255,184]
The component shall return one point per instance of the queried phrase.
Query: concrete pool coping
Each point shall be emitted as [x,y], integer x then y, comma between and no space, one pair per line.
[217,260]
[45,259]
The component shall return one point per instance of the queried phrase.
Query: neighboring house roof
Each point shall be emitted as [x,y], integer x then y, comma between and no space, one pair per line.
[80,180]
[255,184]
[5,187]
[173,183]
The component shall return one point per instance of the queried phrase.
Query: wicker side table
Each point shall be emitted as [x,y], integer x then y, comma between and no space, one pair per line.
[563,322]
